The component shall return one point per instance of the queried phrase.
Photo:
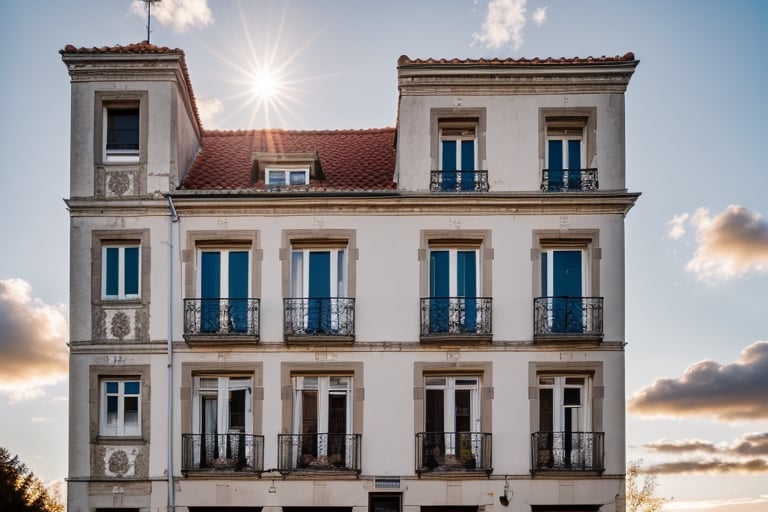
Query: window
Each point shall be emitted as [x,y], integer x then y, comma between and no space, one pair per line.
[120,272]
[224,286]
[458,152]
[120,408]
[568,149]
[322,419]
[284,177]
[319,279]
[562,281]
[222,411]
[121,133]
[453,286]
[564,421]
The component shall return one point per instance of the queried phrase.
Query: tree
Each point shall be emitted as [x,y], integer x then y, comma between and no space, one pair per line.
[21,491]
[641,492]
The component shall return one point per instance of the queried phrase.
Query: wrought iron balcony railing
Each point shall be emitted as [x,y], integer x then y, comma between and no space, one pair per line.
[453,451]
[318,452]
[458,181]
[459,316]
[569,180]
[236,451]
[567,451]
[326,316]
[221,317]
[568,316]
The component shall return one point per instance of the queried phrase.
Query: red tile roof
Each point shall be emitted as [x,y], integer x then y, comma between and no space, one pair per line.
[404,60]
[350,159]
[142,48]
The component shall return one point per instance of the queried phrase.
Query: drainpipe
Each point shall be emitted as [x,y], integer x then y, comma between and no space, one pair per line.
[172,218]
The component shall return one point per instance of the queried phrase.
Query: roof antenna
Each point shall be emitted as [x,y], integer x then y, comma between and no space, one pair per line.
[149,12]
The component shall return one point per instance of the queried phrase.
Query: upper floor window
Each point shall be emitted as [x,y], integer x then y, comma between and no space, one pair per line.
[120,408]
[122,133]
[458,155]
[278,177]
[224,285]
[453,290]
[121,271]
[319,279]
[223,406]
[569,150]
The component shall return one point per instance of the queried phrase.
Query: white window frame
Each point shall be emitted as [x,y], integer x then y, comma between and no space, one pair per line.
[224,384]
[578,134]
[458,137]
[121,295]
[119,428]
[321,384]
[449,386]
[223,268]
[120,155]
[287,173]
[584,420]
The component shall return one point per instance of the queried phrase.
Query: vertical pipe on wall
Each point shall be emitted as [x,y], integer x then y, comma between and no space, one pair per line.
[172,218]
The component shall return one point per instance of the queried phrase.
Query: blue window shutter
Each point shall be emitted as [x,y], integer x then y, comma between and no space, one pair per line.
[468,164]
[449,155]
[210,290]
[467,287]
[567,273]
[113,278]
[555,154]
[439,290]
[238,291]
[131,270]
[319,303]
[210,279]
[574,154]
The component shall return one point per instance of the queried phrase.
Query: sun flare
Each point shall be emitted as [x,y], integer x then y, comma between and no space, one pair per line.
[266,85]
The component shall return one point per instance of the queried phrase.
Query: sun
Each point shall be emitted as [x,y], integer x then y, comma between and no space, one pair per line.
[265,85]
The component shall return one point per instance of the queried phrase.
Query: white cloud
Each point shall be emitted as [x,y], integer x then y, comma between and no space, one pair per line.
[177,14]
[757,504]
[677,226]
[41,419]
[504,23]
[540,15]
[32,342]
[730,244]
[209,109]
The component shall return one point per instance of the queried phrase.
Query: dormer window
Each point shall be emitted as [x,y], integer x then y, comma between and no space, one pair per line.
[121,125]
[279,177]
[122,133]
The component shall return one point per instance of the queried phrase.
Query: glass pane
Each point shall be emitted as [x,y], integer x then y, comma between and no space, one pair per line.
[572,396]
[339,382]
[298,178]
[131,411]
[112,271]
[435,407]
[209,383]
[132,388]
[111,406]
[463,415]
[546,423]
[237,410]
[546,381]
[574,380]
[131,270]
[466,382]
[123,129]
[435,381]
[309,412]
[276,178]
[112,387]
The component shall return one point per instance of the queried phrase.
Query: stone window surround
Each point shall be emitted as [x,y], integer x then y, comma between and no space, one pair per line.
[105,99]
[190,370]
[330,238]
[99,373]
[481,369]
[591,369]
[221,239]
[290,369]
[99,238]
[586,239]
[475,115]
[477,238]
[550,116]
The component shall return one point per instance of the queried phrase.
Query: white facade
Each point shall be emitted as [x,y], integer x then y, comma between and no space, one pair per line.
[393,397]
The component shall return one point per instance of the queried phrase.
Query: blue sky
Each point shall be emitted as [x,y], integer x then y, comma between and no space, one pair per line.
[697,241]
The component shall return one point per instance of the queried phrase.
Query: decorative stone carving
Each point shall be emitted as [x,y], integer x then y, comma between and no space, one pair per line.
[121,325]
[99,320]
[118,463]
[118,183]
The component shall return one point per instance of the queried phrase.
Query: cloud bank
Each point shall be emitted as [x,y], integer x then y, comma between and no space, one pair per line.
[177,14]
[32,341]
[728,392]
[709,466]
[745,446]
[505,22]
[729,245]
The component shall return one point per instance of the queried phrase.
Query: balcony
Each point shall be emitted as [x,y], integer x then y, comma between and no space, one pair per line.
[569,180]
[318,452]
[568,317]
[218,319]
[456,318]
[453,451]
[233,452]
[567,451]
[319,319]
[458,181]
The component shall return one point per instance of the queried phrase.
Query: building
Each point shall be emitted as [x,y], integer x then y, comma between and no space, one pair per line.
[426,318]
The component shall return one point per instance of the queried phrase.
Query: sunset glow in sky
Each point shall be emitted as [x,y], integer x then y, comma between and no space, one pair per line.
[697,240]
